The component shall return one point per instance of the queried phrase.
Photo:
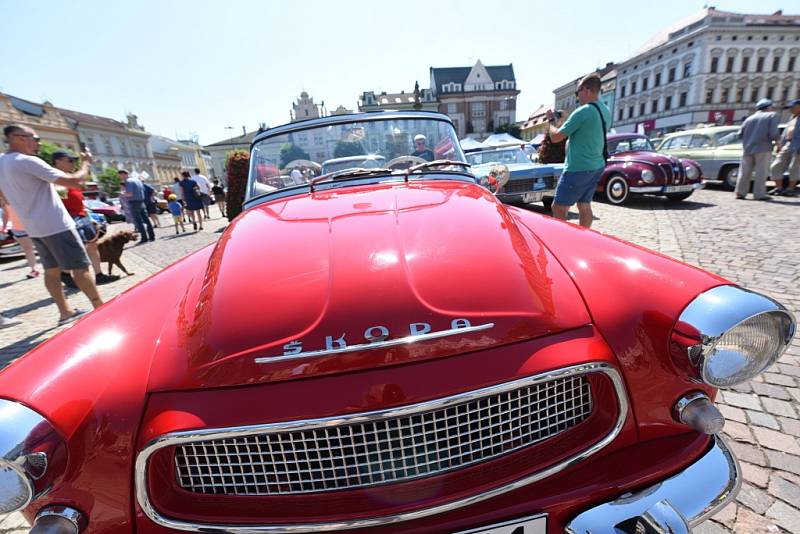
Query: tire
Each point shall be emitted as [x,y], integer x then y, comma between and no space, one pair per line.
[547,202]
[616,189]
[729,176]
[677,197]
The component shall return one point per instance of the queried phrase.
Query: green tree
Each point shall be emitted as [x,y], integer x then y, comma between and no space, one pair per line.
[46,151]
[511,129]
[347,148]
[290,152]
[109,181]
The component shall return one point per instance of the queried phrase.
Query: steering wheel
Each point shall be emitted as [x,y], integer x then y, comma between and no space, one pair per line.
[401,163]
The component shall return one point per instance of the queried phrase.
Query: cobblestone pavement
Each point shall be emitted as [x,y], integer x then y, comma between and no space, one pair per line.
[754,244]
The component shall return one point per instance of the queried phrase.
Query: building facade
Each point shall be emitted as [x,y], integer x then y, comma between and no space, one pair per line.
[44,118]
[305,108]
[710,68]
[478,99]
[218,152]
[567,101]
[114,144]
[536,124]
[419,99]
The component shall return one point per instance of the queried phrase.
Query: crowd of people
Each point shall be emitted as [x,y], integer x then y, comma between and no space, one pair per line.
[45,206]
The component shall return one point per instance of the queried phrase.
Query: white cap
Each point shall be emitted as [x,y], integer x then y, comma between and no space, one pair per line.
[418,137]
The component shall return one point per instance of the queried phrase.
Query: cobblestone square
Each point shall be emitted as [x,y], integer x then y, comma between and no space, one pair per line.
[754,244]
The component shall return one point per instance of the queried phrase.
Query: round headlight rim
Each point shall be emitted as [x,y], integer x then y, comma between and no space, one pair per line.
[27,484]
[713,313]
[650,174]
[692,172]
[708,347]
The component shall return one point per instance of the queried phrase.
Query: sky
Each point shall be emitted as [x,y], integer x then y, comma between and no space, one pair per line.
[194,67]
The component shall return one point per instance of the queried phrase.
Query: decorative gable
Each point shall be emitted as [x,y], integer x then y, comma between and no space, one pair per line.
[478,79]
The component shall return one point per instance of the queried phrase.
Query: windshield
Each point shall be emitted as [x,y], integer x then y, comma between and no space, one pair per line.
[506,156]
[728,138]
[630,144]
[295,158]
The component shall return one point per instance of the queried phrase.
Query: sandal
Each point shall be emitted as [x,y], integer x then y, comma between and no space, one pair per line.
[33,274]
[75,315]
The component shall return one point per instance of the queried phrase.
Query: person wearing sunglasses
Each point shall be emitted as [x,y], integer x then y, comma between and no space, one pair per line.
[27,182]
[587,151]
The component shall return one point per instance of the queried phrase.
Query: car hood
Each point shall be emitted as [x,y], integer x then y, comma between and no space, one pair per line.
[339,268]
[652,158]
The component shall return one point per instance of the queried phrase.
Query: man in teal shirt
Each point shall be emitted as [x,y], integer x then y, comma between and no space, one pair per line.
[586,129]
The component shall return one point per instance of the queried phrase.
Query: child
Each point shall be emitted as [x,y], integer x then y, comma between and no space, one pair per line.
[176,210]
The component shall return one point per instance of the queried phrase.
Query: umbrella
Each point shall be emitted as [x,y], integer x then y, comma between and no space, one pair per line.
[502,139]
[471,144]
[303,163]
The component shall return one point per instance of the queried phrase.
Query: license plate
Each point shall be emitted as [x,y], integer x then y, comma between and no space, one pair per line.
[678,188]
[532,197]
[531,525]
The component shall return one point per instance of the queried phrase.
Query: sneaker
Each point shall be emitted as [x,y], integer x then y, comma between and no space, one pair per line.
[102,278]
[66,278]
[33,274]
[5,322]
[776,191]
[194,224]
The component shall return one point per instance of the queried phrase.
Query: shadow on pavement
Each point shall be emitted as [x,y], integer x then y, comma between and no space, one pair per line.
[176,236]
[13,351]
[645,202]
[13,312]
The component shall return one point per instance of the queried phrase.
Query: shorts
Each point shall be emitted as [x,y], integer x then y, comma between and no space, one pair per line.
[206,199]
[177,219]
[63,250]
[86,228]
[577,187]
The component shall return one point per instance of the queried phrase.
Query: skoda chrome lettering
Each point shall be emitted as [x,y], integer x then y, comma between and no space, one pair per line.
[376,337]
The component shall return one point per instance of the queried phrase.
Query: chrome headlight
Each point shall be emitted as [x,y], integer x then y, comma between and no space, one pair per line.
[692,172]
[648,176]
[739,334]
[24,436]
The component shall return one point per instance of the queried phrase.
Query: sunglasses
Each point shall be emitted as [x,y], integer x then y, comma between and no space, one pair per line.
[31,136]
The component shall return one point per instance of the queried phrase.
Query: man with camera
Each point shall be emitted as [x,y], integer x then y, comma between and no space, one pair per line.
[587,152]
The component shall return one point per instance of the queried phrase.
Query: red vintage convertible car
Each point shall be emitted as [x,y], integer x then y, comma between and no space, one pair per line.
[389,350]
[635,167]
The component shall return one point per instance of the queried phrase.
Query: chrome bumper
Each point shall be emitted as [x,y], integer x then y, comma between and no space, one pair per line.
[660,188]
[674,505]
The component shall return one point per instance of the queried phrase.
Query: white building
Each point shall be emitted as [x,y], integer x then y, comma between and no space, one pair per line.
[218,152]
[710,68]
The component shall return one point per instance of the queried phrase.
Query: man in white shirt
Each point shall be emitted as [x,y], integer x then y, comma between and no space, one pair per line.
[27,183]
[205,190]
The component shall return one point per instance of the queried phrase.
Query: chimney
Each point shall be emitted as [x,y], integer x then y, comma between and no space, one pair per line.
[778,13]
[244,131]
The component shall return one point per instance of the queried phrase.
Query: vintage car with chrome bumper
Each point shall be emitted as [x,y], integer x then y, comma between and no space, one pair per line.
[388,350]
[635,167]
[526,182]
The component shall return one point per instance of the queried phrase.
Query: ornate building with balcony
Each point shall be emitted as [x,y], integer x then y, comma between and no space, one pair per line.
[479,99]
[710,68]
[44,118]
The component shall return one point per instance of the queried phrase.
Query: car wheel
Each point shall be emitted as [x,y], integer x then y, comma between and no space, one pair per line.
[616,189]
[730,175]
[677,197]
[548,203]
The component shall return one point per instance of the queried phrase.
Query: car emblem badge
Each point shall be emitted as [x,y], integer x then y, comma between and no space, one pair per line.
[376,337]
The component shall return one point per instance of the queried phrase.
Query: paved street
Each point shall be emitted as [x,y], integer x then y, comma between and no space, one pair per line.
[754,244]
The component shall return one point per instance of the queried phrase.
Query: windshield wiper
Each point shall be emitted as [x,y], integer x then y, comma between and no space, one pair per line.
[433,163]
[356,172]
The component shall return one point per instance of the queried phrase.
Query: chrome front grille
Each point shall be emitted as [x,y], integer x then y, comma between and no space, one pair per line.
[382,447]
[524,185]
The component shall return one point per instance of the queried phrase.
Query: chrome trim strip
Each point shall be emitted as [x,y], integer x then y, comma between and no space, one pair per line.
[694,494]
[178,438]
[718,310]
[646,189]
[377,344]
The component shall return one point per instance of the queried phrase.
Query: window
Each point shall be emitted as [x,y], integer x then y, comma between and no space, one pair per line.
[478,110]
[681,141]
[684,96]
[657,81]
[729,66]
[726,94]
[714,64]
[667,103]
[749,37]
[785,94]
[633,87]
[619,117]
[641,109]
[687,69]
[734,38]
[709,96]
[745,63]
[776,63]
[630,112]
[654,106]
[700,141]
[452,108]
[760,64]
[622,91]
[790,66]
[671,75]
[479,125]
[740,95]
[503,104]
[644,84]
[770,92]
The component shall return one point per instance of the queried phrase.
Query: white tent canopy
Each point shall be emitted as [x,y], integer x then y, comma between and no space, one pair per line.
[469,143]
[502,139]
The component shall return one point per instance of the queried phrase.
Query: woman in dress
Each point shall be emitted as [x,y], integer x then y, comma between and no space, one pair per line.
[191,196]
